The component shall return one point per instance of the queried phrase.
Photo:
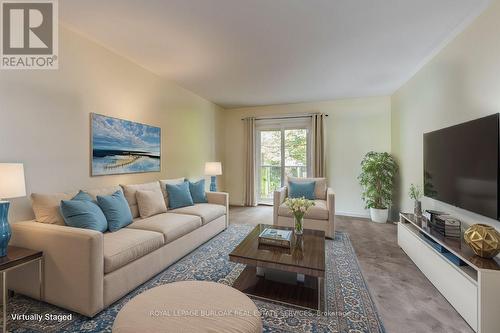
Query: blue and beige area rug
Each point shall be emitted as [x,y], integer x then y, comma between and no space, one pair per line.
[349,305]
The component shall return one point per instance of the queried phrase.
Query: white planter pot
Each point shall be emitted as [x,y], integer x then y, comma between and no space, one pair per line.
[379,215]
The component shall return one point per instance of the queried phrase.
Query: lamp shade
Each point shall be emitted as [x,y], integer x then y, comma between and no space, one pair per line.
[12,183]
[213,168]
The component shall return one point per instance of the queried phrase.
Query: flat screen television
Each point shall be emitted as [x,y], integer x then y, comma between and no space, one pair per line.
[461,165]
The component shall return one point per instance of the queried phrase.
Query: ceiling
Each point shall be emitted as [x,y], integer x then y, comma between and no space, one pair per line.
[258,52]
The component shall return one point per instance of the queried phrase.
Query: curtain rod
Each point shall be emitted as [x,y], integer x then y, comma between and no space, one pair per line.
[285,117]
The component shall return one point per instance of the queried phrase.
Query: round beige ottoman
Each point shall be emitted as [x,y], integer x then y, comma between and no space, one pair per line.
[189,306]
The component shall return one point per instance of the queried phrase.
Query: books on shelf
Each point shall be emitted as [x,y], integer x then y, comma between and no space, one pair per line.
[444,251]
[447,226]
[276,237]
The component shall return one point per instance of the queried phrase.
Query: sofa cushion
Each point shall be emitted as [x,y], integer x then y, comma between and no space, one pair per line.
[46,206]
[150,202]
[116,210]
[197,190]
[317,212]
[320,188]
[208,212]
[179,195]
[130,194]
[126,245]
[103,191]
[83,196]
[172,226]
[83,212]
[163,186]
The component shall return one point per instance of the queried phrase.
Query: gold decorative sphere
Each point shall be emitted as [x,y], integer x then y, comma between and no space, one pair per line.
[483,239]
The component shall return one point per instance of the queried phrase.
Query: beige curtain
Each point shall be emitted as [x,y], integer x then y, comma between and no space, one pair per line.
[318,145]
[250,197]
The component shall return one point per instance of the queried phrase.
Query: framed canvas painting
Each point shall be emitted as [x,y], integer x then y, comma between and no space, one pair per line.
[120,146]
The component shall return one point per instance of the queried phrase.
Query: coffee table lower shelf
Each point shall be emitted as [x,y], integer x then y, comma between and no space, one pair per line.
[309,294]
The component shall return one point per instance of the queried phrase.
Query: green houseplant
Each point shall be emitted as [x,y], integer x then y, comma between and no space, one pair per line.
[377,180]
[416,194]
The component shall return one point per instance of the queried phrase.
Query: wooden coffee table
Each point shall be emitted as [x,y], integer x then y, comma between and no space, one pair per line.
[293,276]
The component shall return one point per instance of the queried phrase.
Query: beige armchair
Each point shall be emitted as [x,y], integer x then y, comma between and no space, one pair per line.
[319,217]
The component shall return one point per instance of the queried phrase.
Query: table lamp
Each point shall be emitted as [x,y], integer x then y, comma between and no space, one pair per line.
[12,185]
[213,169]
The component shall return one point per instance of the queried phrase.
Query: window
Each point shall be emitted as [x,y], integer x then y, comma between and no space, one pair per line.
[283,149]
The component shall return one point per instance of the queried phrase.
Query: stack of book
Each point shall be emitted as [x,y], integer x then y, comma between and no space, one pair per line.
[276,237]
[446,226]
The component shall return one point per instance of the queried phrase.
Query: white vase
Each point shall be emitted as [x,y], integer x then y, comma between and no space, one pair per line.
[379,215]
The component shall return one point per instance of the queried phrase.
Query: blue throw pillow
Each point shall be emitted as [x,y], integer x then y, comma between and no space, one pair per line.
[83,212]
[197,191]
[83,196]
[301,189]
[116,210]
[179,195]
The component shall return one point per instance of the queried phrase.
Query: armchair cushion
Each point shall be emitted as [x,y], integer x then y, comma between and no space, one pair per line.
[317,212]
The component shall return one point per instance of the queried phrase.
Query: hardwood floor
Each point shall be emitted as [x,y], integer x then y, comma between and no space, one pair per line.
[405,299]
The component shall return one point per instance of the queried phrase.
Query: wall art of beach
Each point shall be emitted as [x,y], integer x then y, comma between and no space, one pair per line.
[122,146]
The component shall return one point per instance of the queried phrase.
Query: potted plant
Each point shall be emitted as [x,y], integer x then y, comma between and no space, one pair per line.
[299,208]
[416,194]
[377,180]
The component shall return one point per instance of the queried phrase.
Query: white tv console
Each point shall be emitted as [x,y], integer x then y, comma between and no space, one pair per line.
[473,289]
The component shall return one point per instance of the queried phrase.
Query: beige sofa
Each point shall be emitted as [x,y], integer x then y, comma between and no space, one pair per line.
[85,271]
[319,217]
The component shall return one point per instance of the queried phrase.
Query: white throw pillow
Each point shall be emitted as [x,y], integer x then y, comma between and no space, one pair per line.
[150,203]
[130,190]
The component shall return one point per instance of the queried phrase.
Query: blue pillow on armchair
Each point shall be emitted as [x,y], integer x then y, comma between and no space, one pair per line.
[83,212]
[197,191]
[302,189]
[116,210]
[179,195]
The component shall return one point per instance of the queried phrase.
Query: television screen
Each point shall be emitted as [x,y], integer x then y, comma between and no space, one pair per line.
[461,165]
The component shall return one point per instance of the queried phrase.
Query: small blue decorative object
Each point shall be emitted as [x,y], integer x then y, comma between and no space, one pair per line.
[213,184]
[5,232]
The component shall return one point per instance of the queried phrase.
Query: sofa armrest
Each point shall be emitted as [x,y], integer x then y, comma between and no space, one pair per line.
[279,197]
[220,198]
[330,204]
[73,265]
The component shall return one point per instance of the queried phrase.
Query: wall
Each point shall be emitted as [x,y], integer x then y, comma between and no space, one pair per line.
[354,127]
[45,119]
[461,83]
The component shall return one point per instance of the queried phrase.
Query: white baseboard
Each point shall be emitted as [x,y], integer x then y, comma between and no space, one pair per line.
[351,214]
[341,213]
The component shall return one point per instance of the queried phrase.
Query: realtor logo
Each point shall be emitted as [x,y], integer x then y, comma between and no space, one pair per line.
[29,34]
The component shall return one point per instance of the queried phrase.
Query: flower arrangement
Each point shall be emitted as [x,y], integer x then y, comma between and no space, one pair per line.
[299,207]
